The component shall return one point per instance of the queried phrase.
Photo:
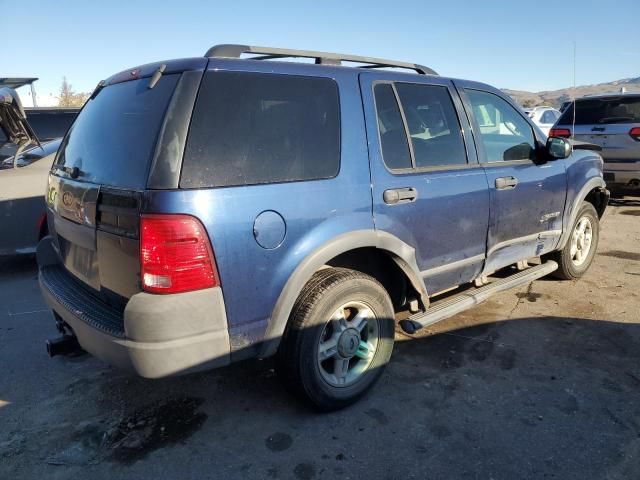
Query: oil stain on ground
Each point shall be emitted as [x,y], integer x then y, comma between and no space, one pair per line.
[153,427]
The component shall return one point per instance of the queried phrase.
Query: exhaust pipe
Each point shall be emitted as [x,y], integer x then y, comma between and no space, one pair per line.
[62,345]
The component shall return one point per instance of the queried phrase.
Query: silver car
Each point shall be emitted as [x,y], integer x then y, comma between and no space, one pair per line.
[613,123]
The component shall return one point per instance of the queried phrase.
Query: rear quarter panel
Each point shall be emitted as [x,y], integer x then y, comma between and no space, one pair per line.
[314,212]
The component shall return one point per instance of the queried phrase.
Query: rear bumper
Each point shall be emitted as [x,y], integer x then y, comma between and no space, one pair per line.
[156,335]
[625,173]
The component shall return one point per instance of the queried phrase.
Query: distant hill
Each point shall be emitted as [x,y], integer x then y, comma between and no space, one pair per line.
[556,97]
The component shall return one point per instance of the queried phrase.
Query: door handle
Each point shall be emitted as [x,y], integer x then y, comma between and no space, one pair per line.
[506,183]
[395,196]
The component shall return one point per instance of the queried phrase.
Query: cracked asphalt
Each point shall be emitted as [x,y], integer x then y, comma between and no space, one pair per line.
[539,382]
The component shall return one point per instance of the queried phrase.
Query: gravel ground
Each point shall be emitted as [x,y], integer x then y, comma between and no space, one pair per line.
[537,382]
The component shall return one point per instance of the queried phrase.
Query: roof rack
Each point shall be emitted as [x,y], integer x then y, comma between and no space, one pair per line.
[322,58]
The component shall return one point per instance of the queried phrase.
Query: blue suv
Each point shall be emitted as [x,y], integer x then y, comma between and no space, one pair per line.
[207,210]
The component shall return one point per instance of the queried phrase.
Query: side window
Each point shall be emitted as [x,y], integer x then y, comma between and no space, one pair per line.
[504,133]
[433,125]
[255,128]
[393,138]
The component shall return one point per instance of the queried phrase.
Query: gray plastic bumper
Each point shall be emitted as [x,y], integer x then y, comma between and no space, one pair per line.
[157,336]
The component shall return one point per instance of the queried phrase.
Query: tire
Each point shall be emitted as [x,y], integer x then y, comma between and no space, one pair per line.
[568,267]
[362,314]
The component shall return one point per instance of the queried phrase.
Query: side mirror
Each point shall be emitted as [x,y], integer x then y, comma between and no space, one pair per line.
[558,148]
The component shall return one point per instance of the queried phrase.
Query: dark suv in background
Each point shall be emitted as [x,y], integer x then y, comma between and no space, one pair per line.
[212,209]
[613,123]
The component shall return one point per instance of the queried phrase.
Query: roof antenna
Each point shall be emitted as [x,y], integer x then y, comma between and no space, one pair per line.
[573,126]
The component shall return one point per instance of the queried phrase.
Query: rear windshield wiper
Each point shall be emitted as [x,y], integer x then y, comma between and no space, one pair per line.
[73,172]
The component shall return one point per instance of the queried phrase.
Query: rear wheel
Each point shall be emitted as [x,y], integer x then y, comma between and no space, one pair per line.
[339,338]
[577,255]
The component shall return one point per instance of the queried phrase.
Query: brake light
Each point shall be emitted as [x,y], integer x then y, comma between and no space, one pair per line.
[635,133]
[175,255]
[560,132]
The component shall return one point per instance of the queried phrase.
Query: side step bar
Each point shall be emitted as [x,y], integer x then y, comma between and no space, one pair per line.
[466,300]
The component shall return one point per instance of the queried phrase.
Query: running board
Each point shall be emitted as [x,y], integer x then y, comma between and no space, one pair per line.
[466,300]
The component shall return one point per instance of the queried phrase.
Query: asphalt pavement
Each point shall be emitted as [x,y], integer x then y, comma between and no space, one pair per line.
[538,382]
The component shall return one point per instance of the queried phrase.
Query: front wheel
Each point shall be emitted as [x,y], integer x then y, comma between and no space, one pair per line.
[578,253]
[339,338]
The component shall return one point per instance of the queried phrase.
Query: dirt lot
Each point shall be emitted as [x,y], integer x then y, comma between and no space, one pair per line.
[538,382]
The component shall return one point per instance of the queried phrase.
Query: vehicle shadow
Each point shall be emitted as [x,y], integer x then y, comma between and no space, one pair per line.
[523,398]
[625,201]
[13,265]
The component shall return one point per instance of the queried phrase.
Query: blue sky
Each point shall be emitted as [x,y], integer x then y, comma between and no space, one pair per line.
[509,44]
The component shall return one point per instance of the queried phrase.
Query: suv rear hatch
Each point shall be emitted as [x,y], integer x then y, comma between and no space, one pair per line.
[96,187]
[607,122]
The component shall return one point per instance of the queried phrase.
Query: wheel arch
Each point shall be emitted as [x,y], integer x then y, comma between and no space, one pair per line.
[400,253]
[594,191]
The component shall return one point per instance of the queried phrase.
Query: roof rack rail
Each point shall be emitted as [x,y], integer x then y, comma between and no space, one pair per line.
[322,58]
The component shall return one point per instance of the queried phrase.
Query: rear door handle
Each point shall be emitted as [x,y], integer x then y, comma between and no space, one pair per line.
[506,183]
[395,196]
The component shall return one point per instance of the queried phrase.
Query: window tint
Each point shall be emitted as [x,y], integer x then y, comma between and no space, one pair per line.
[393,138]
[504,133]
[114,137]
[603,110]
[253,128]
[433,125]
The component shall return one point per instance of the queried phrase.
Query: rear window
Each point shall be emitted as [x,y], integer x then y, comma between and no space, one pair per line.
[253,128]
[603,110]
[114,137]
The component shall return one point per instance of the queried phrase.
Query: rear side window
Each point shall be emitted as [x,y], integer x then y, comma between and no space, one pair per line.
[603,110]
[433,125]
[254,128]
[393,139]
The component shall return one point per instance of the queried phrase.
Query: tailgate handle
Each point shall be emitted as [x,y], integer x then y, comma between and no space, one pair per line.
[598,129]
[396,196]
[506,183]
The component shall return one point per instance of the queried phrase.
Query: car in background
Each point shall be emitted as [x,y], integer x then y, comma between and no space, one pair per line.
[25,162]
[23,181]
[544,117]
[612,122]
[50,123]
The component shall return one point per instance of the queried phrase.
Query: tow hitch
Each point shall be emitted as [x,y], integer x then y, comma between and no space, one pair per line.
[62,345]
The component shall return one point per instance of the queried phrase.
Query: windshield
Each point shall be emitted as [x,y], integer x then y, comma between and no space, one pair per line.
[114,137]
[603,110]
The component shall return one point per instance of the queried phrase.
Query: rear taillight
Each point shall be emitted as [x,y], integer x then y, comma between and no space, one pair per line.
[635,133]
[175,254]
[560,132]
